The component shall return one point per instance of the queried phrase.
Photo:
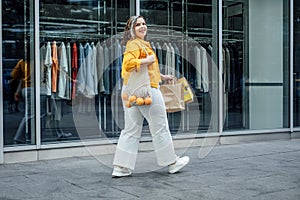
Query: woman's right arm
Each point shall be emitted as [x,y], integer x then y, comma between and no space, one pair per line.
[131,60]
[16,73]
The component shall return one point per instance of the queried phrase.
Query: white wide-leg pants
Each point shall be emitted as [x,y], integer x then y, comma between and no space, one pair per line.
[155,114]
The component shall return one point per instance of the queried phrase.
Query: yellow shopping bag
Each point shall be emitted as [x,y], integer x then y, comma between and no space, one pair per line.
[188,95]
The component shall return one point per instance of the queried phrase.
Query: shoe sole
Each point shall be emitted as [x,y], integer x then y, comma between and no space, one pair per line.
[120,176]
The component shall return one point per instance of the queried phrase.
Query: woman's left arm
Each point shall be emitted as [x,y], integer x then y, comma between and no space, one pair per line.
[166,77]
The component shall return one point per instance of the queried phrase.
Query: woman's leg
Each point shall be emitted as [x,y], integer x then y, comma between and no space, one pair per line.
[26,93]
[127,148]
[158,123]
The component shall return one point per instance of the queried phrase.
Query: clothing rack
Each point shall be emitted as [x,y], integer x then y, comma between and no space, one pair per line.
[105,98]
[194,4]
[75,20]
[76,36]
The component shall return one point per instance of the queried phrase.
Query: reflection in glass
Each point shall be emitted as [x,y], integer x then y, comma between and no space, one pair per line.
[80,68]
[18,72]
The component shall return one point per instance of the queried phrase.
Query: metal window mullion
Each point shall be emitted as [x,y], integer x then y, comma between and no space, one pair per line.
[37,74]
[291,65]
[220,60]
[137,7]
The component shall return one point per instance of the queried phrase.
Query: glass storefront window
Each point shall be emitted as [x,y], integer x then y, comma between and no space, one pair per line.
[184,35]
[18,72]
[256,64]
[296,78]
[78,103]
[234,36]
[81,67]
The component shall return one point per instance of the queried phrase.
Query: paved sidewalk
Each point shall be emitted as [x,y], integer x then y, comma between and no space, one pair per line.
[260,170]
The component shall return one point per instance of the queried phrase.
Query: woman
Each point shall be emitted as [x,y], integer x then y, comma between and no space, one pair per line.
[135,57]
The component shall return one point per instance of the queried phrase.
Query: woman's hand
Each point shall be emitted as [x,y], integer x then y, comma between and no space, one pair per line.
[17,96]
[167,77]
[149,60]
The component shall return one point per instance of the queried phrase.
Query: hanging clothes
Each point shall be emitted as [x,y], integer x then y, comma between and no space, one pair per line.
[106,76]
[204,69]
[81,71]
[89,78]
[159,55]
[153,47]
[119,65]
[94,69]
[172,63]
[48,66]
[177,61]
[74,66]
[54,73]
[100,66]
[167,57]
[198,67]
[69,73]
[43,70]
[201,62]
[116,65]
[63,70]
[227,61]
[190,70]
[232,70]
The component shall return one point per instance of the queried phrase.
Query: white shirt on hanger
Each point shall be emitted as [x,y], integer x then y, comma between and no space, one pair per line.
[94,69]
[204,69]
[48,65]
[89,78]
[63,70]
[168,58]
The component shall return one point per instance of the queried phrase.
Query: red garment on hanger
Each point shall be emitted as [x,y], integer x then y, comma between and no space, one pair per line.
[74,64]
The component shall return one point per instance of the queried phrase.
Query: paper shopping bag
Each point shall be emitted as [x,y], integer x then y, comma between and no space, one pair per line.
[173,96]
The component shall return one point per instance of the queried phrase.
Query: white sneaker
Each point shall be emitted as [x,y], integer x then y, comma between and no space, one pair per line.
[179,164]
[120,172]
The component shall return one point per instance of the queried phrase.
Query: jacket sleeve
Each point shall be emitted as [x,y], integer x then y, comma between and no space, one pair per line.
[131,60]
[17,71]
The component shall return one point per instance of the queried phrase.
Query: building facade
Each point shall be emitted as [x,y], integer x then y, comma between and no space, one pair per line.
[64,57]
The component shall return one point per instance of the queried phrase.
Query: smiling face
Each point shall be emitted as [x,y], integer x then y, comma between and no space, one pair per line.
[140,28]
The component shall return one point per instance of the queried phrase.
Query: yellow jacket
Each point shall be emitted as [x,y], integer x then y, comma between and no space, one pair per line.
[22,72]
[131,61]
